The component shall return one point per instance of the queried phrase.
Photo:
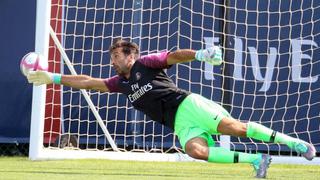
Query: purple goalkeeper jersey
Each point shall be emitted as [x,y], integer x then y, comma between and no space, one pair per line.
[149,89]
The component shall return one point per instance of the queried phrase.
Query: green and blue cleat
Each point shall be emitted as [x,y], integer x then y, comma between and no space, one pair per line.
[307,150]
[261,165]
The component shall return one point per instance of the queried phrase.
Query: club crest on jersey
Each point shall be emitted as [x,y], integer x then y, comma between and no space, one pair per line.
[138,76]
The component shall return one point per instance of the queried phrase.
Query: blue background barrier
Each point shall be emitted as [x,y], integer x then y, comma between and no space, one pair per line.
[17,37]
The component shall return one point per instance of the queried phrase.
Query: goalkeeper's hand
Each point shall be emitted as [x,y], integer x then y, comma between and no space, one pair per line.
[43,77]
[212,55]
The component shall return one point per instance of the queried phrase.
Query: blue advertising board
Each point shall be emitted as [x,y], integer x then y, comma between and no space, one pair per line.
[17,37]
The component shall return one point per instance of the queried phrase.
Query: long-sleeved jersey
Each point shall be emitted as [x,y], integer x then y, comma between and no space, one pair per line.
[149,89]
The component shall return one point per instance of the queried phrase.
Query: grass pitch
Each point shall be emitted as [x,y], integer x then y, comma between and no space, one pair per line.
[21,168]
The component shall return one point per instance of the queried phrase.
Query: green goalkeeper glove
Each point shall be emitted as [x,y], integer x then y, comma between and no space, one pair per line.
[212,55]
[43,77]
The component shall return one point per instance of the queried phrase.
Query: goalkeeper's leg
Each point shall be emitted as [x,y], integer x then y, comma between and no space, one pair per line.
[257,131]
[198,148]
[196,119]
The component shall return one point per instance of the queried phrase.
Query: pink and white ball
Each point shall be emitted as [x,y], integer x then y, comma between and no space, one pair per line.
[33,62]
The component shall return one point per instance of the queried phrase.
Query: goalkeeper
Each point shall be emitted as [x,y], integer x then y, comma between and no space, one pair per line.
[193,118]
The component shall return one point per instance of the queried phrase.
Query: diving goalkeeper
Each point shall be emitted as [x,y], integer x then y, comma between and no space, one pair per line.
[193,118]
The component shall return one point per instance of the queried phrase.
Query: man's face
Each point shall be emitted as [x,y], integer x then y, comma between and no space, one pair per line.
[120,62]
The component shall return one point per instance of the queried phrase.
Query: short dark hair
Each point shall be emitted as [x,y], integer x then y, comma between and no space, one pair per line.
[127,47]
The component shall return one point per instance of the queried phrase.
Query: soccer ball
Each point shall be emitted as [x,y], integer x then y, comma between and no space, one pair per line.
[33,62]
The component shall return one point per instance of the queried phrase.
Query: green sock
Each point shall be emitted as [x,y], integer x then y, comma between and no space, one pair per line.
[262,133]
[222,155]
[283,138]
[259,132]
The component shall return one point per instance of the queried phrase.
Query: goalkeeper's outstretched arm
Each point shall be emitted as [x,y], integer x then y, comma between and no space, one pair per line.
[74,81]
[212,55]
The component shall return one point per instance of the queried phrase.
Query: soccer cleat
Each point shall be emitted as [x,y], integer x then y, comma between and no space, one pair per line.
[307,150]
[261,165]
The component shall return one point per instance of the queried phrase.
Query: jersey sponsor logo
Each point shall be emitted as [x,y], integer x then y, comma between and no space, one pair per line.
[135,87]
[140,92]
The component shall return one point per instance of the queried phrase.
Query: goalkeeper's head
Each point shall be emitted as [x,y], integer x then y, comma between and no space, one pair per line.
[123,55]
[127,47]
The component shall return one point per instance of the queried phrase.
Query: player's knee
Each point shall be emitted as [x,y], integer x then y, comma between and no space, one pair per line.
[198,152]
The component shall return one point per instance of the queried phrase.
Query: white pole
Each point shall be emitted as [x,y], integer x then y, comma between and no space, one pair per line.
[39,92]
[84,92]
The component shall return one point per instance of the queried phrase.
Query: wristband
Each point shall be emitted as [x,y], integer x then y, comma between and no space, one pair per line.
[56,79]
[199,55]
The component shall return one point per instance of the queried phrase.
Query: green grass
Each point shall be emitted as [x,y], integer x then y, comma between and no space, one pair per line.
[21,168]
